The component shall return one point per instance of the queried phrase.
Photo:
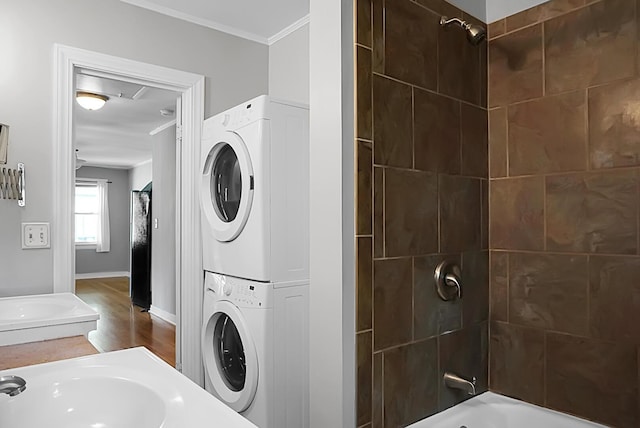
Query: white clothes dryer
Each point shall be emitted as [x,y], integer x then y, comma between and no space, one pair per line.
[255,191]
[255,349]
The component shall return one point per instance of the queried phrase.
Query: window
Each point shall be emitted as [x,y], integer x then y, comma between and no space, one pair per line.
[92,214]
[87,213]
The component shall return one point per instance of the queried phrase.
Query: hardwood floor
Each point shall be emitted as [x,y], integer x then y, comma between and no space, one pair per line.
[123,325]
[27,354]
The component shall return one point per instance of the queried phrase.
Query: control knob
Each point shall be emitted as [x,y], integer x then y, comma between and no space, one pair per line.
[227,289]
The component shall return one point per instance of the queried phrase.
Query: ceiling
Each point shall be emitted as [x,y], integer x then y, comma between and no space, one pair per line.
[263,21]
[118,135]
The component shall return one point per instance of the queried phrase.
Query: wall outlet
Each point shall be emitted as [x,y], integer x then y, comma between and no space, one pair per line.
[35,235]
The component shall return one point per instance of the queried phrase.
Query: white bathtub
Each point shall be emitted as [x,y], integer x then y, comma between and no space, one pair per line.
[491,410]
[26,319]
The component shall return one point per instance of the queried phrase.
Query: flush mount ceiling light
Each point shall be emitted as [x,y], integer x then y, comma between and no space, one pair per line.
[91,101]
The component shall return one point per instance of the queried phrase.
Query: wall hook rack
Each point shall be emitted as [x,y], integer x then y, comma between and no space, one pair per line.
[12,184]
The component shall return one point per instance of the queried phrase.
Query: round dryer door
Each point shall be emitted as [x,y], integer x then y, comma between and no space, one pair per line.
[230,358]
[227,187]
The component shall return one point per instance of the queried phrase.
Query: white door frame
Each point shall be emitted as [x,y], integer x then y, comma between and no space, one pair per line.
[188,246]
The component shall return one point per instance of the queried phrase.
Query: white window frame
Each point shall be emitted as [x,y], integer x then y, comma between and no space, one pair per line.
[85,245]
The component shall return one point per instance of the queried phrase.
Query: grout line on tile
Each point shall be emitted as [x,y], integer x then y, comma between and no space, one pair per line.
[360,45]
[413,298]
[439,370]
[439,205]
[507,143]
[544,213]
[364,140]
[382,390]
[599,171]
[543,21]
[508,286]
[431,91]
[413,127]
[544,59]
[384,213]
[384,35]
[399,168]
[588,329]
[460,134]
[587,135]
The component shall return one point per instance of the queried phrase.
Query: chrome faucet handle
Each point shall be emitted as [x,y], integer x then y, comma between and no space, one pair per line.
[447,280]
[452,278]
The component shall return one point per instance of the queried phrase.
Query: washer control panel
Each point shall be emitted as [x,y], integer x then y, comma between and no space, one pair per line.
[240,292]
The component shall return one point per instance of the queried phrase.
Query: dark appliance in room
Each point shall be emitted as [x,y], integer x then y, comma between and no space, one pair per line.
[140,282]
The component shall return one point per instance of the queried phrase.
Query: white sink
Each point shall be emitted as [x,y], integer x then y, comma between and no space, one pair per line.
[98,402]
[123,389]
[26,319]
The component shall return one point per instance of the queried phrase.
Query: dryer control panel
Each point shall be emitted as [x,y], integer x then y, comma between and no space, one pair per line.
[241,292]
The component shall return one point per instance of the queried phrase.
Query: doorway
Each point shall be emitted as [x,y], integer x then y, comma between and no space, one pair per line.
[188,254]
[124,137]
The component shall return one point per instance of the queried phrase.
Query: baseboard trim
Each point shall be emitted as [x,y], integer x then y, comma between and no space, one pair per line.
[95,275]
[164,315]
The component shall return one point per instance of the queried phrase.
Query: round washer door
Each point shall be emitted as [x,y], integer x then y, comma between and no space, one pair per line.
[227,187]
[230,358]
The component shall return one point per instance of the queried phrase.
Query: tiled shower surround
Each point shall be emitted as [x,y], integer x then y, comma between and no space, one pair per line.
[554,194]
[421,197]
[564,119]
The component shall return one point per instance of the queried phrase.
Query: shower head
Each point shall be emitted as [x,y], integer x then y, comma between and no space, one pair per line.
[475,33]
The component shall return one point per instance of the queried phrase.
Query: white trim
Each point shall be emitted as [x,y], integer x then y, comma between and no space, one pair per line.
[97,275]
[144,162]
[163,315]
[290,29]
[197,20]
[332,225]
[86,246]
[162,127]
[188,248]
[106,165]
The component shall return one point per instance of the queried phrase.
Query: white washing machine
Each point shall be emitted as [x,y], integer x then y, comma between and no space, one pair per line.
[255,349]
[255,191]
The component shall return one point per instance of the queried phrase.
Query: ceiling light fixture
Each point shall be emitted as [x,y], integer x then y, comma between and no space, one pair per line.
[91,101]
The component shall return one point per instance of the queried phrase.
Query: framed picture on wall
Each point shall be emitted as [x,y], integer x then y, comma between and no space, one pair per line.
[4,143]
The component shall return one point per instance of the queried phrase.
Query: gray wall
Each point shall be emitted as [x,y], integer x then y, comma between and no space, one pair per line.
[140,176]
[163,208]
[116,260]
[477,8]
[236,70]
[498,9]
[492,10]
[289,67]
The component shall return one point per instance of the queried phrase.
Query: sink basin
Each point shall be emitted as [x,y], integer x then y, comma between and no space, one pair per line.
[42,317]
[123,389]
[30,310]
[98,402]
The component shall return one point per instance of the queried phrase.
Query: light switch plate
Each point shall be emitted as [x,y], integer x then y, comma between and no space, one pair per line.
[35,235]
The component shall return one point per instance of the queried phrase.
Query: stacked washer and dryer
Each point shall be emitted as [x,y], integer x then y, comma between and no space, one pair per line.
[255,225]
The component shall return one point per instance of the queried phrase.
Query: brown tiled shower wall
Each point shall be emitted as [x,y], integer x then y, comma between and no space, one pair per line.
[564,143]
[422,196]
[564,167]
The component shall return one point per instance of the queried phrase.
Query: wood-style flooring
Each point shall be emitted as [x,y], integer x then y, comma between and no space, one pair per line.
[123,325]
[27,354]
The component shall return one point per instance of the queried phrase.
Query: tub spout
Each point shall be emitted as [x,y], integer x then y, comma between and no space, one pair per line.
[456,382]
[12,385]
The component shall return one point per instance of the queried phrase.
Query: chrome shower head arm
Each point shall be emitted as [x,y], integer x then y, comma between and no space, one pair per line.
[475,33]
[444,21]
